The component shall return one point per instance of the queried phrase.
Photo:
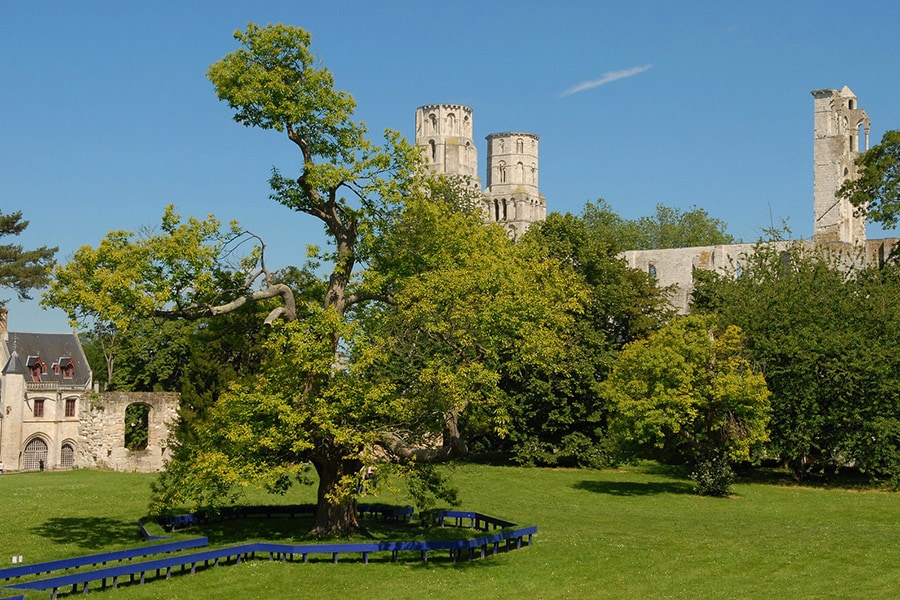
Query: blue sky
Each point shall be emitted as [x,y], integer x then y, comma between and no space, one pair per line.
[106,115]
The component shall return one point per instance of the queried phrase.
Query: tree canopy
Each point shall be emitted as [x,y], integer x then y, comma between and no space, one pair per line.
[668,227]
[826,338]
[876,189]
[22,270]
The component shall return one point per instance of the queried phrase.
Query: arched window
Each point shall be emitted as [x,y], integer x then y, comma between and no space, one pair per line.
[137,426]
[67,456]
[35,456]
[433,147]
[520,146]
[434,123]
[520,173]
[651,270]
[502,168]
[496,209]
[451,124]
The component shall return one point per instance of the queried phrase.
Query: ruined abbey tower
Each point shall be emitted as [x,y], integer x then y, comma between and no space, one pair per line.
[841,131]
[512,197]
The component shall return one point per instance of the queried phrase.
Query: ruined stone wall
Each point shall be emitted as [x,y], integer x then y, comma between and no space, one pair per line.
[101,442]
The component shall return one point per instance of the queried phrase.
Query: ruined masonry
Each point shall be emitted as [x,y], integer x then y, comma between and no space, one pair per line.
[840,135]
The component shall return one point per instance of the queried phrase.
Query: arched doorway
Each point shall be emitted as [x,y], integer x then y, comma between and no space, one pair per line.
[35,454]
[67,456]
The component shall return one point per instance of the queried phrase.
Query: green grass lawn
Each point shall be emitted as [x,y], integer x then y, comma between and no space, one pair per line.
[631,533]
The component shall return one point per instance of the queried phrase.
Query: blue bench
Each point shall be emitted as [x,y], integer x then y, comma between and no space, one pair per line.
[513,538]
[101,559]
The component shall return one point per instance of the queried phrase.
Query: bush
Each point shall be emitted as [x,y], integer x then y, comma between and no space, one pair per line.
[713,477]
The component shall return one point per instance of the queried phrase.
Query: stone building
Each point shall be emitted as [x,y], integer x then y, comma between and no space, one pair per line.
[512,197]
[840,129]
[50,418]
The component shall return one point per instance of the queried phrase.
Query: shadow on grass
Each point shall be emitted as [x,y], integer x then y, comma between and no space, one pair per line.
[90,533]
[634,488]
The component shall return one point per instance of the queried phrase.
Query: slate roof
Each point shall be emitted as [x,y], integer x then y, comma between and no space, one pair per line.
[25,349]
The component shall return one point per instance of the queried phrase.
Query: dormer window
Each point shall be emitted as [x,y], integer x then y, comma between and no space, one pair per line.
[65,367]
[36,368]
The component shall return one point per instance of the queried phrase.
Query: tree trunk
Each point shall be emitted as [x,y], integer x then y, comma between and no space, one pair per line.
[335,504]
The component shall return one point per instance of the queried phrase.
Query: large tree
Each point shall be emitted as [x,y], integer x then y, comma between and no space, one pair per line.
[22,270]
[876,190]
[420,309]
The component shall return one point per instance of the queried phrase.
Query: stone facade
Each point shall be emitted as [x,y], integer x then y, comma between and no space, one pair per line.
[840,129]
[51,419]
[512,197]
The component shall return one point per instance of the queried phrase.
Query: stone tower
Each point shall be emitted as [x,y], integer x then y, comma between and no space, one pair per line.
[444,131]
[841,134]
[512,196]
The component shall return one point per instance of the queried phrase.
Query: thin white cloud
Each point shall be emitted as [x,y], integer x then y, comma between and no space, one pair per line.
[608,77]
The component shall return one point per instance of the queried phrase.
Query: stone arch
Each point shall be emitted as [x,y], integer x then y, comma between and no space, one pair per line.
[451,124]
[432,118]
[35,453]
[520,146]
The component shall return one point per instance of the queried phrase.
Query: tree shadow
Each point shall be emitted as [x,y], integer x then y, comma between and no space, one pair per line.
[634,488]
[89,533]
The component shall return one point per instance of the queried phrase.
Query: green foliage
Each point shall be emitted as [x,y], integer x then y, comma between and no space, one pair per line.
[22,270]
[137,430]
[876,190]
[688,390]
[667,228]
[558,417]
[826,338]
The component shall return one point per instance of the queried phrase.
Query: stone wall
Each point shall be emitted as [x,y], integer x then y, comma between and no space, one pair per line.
[101,442]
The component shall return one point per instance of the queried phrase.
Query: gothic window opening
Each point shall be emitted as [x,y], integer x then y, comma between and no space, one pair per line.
[433,147]
[504,209]
[502,169]
[434,123]
[35,456]
[39,408]
[67,456]
[520,146]
[137,426]
[496,210]
[451,124]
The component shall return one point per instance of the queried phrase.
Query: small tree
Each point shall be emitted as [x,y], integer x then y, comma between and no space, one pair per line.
[689,392]
[22,270]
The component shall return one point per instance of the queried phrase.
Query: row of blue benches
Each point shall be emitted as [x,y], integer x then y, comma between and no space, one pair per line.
[510,537]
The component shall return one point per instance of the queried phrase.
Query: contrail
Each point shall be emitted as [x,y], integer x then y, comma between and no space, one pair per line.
[604,79]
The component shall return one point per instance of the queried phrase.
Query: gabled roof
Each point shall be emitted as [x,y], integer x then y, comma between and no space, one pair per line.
[50,349]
